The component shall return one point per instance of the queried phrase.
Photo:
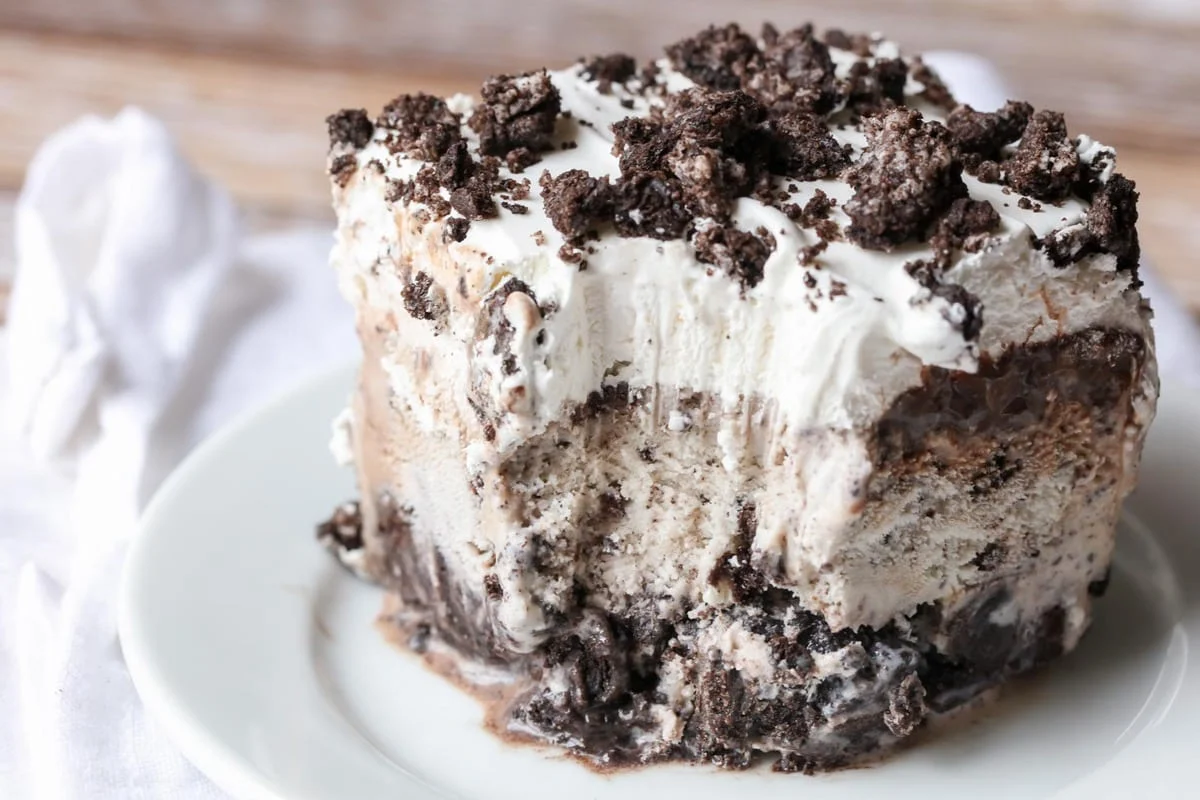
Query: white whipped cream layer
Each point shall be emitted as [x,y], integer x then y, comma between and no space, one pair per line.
[647,312]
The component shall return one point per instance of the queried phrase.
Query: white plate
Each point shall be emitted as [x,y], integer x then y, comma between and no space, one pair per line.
[258,655]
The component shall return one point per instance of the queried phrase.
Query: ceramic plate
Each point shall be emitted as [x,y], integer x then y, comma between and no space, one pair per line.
[259,656]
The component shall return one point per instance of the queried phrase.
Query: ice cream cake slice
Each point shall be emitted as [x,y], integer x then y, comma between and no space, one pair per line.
[757,400]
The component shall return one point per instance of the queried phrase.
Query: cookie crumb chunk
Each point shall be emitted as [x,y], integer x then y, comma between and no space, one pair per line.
[421,126]
[351,127]
[609,69]
[517,112]
[964,226]
[908,175]
[740,254]
[576,203]
[1045,165]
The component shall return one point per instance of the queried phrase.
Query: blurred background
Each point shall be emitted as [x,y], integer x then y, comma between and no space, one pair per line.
[246,84]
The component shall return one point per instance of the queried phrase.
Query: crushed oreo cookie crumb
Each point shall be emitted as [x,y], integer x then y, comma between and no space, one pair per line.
[422,126]
[516,112]
[716,58]
[610,69]
[577,203]
[908,175]
[1045,165]
[984,133]
[350,126]
[964,226]
[804,148]
[935,91]
[740,254]
[456,229]
[342,168]
[424,299]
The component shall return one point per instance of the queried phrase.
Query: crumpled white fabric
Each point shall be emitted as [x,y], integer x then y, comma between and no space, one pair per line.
[141,321]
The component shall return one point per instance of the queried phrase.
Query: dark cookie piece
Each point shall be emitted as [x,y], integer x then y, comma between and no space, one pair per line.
[1112,220]
[906,178]
[970,321]
[456,166]
[935,90]
[474,199]
[423,126]
[350,126]
[1045,165]
[707,149]
[342,168]
[716,58]
[610,69]
[649,204]
[456,229]
[424,299]
[873,87]
[1109,226]
[427,189]
[963,227]
[795,71]
[720,151]
[342,536]
[736,567]
[517,112]
[741,255]
[641,145]
[577,203]
[983,133]
[492,322]
[804,148]
[857,43]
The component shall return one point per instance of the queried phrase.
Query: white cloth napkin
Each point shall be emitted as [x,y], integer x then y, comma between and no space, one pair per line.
[141,321]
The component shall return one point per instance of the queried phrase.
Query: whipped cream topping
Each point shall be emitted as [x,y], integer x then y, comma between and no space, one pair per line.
[830,343]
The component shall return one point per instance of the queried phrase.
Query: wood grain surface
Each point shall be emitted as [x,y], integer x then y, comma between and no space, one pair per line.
[247,96]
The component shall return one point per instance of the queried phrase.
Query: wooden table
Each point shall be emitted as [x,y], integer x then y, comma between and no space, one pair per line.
[246,85]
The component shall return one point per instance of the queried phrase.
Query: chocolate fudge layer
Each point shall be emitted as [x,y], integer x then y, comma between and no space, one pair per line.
[757,400]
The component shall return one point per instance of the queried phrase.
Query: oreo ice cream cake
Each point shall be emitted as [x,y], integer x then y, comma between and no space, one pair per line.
[759,401]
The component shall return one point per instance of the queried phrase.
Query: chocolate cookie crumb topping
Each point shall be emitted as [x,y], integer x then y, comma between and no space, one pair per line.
[1112,220]
[518,159]
[423,299]
[984,133]
[342,168]
[873,87]
[350,126]
[908,175]
[456,229]
[610,69]
[935,91]
[965,311]
[516,112]
[742,255]
[857,43]
[422,125]
[576,203]
[648,204]
[963,227]
[716,58]
[804,148]
[795,71]
[1045,164]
